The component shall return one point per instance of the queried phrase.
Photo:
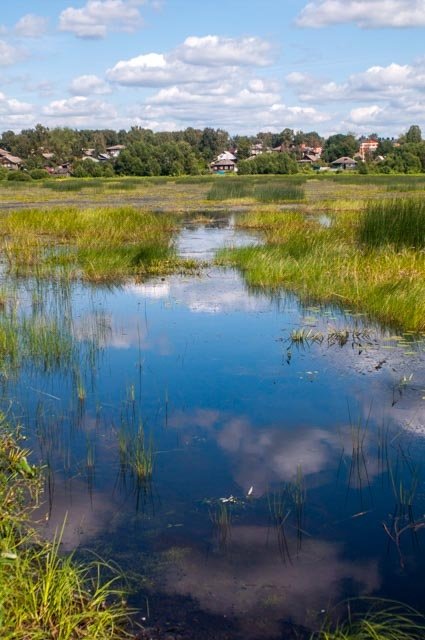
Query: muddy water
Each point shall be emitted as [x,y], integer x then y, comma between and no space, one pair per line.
[283,471]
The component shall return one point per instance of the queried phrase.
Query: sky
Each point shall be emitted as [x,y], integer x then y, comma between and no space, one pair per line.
[332,66]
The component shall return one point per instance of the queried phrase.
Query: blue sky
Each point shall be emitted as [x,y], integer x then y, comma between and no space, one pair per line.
[242,65]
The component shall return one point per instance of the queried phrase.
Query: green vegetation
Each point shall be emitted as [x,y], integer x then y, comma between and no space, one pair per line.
[400,223]
[331,264]
[384,621]
[43,594]
[94,244]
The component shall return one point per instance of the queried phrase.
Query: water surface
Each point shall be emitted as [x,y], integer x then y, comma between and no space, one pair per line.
[282,471]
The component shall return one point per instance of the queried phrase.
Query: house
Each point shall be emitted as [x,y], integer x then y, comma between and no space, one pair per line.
[367,148]
[10,162]
[115,150]
[344,163]
[309,158]
[256,149]
[227,155]
[223,165]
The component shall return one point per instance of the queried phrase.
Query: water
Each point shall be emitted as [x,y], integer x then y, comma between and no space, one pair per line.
[278,466]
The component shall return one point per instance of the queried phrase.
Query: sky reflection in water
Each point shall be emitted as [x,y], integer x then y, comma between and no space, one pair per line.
[232,405]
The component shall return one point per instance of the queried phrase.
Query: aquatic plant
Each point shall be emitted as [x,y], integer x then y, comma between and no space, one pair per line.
[44,594]
[385,620]
[400,223]
[332,265]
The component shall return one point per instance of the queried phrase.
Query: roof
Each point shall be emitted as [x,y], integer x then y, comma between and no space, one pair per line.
[116,147]
[11,159]
[223,163]
[344,160]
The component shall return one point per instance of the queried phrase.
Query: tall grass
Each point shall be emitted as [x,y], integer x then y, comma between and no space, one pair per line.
[229,189]
[333,265]
[44,595]
[96,243]
[279,192]
[398,222]
[385,620]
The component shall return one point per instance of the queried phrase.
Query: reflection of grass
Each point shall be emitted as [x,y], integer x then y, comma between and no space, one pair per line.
[221,517]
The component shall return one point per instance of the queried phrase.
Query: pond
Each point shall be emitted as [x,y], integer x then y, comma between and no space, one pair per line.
[286,441]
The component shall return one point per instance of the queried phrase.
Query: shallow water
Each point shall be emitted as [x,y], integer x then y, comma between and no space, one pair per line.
[282,471]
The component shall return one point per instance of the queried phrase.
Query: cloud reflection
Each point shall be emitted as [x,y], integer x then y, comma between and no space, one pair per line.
[251,580]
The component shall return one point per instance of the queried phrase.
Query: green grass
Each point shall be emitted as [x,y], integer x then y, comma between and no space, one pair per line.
[229,189]
[45,595]
[279,192]
[95,244]
[332,265]
[383,621]
[400,223]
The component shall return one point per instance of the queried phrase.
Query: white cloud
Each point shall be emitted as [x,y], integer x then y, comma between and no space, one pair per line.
[386,94]
[200,60]
[214,50]
[31,26]
[79,111]
[364,13]
[9,55]
[97,17]
[88,85]
[10,106]
[365,115]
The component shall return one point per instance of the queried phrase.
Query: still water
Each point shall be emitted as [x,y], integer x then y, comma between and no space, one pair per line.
[287,474]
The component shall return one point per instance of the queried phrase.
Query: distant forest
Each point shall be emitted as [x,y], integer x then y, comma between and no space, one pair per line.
[190,152]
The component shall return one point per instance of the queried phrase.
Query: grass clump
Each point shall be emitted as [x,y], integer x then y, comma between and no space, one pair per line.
[43,594]
[229,189]
[333,265]
[95,244]
[383,621]
[398,222]
[278,192]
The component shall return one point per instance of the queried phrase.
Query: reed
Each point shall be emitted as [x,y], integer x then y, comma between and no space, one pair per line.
[400,223]
[229,189]
[279,192]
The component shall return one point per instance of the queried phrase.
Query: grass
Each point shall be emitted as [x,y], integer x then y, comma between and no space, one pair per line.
[333,265]
[399,223]
[94,244]
[385,620]
[279,192]
[43,594]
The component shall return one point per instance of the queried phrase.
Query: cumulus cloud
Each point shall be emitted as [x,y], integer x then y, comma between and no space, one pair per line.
[10,106]
[97,17]
[387,94]
[214,50]
[79,111]
[363,13]
[31,26]
[9,55]
[196,60]
[88,85]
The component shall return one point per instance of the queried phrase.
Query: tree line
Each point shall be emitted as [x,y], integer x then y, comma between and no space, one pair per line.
[191,151]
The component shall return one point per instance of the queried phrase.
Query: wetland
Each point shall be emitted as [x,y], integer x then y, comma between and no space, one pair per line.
[223,380]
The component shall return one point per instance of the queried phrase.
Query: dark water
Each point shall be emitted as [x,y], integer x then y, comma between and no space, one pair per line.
[287,476]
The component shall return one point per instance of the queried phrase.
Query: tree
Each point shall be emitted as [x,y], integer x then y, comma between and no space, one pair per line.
[414,134]
[338,146]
